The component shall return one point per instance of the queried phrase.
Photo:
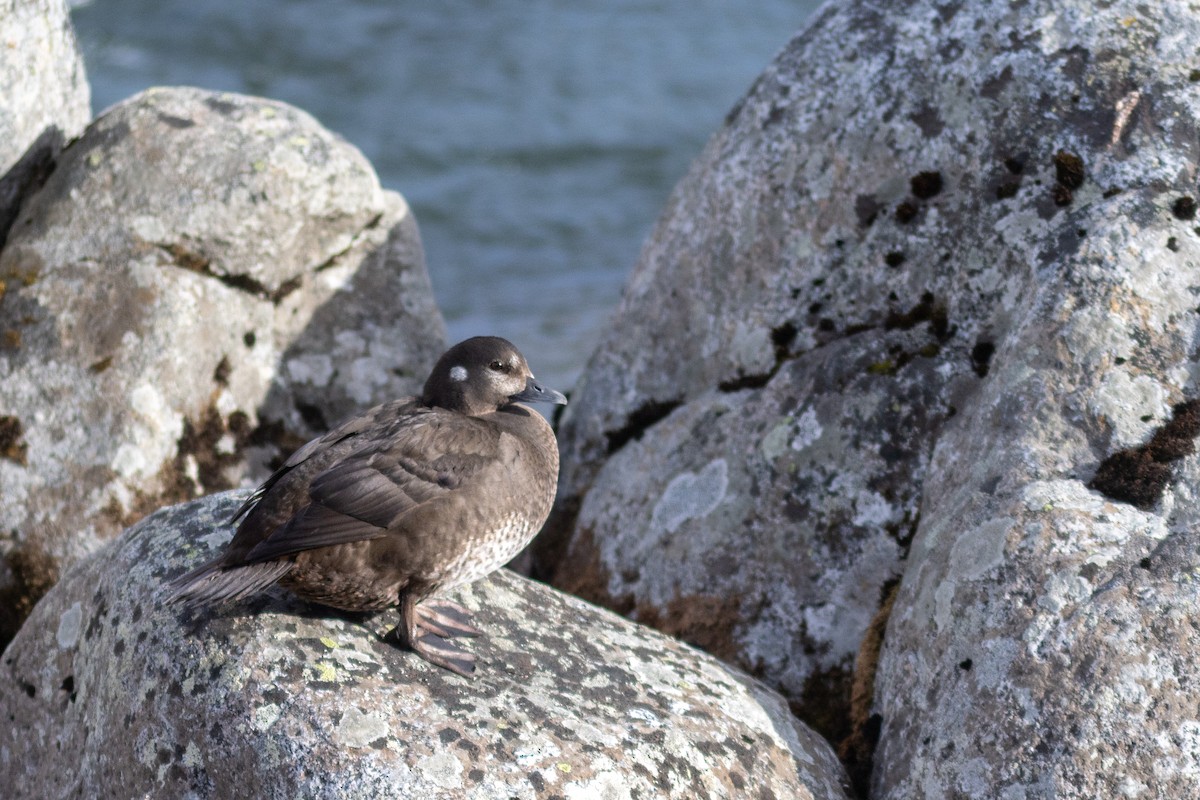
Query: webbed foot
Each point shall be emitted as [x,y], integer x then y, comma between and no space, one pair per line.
[426,627]
[445,618]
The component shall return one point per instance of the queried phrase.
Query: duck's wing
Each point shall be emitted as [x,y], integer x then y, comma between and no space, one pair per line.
[418,460]
[341,434]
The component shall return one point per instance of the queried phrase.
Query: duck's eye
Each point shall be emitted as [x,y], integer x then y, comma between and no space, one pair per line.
[499,366]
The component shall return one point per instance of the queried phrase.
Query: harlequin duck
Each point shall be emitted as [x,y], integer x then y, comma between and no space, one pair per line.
[403,503]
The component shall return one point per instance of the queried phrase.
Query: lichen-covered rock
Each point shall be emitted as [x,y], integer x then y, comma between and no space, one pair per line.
[1043,640]
[1017,184]
[763,524]
[781,324]
[44,95]
[204,281]
[277,699]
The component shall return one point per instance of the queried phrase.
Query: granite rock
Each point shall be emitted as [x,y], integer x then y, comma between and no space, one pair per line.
[204,281]
[44,96]
[784,323]
[764,525]
[926,307]
[277,699]
[1043,639]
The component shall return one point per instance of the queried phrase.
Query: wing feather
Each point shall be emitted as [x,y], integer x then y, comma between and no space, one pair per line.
[359,489]
[214,583]
[397,467]
[321,447]
[315,526]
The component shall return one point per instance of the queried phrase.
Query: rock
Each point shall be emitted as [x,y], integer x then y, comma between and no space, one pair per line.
[763,525]
[1043,639]
[807,366]
[277,699]
[205,281]
[934,283]
[44,96]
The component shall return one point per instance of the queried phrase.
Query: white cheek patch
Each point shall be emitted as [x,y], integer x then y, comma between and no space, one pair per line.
[458,374]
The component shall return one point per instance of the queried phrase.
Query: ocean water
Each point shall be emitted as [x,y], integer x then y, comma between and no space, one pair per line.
[536,141]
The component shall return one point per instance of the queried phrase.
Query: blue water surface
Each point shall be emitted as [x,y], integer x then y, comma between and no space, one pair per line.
[536,141]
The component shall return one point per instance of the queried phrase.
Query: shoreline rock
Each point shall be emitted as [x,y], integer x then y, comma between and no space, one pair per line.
[204,282]
[925,309]
[45,100]
[274,698]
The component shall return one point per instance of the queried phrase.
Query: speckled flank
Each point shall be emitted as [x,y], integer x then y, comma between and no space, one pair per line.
[277,699]
[492,550]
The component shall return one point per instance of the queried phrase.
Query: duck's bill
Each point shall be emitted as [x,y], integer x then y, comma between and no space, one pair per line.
[534,392]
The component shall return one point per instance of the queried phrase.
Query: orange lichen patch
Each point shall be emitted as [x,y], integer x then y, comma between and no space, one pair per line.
[822,702]
[857,750]
[34,572]
[581,573]
[197,446]
[1069,169]
[12,445]
[187,258]
[703,621]
[100,366]
[12,339]
[26,269]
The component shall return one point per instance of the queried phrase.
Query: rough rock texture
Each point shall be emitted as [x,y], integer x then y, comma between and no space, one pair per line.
[936,277]
[764,406]
[1044,639]
[277,699]
[763,524]
[44,96]
[204,281]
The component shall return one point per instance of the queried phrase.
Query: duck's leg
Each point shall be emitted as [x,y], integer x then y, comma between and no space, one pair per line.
[430,641]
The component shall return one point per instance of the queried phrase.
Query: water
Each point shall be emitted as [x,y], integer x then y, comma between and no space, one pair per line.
[536,141]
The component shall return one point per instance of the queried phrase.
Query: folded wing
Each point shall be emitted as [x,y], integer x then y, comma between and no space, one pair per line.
[366,494]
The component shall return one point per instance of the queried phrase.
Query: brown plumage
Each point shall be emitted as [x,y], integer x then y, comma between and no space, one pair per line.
[393,507]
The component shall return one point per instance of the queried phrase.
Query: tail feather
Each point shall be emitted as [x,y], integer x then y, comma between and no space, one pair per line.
[251,501]
[215,582]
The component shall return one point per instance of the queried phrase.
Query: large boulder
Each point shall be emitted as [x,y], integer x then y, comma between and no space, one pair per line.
[756,423]
[764,525]
[44,96]
[107,691]
[204,281]
[925,309]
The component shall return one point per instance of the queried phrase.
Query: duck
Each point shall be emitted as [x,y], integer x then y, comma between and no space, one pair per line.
[401,504]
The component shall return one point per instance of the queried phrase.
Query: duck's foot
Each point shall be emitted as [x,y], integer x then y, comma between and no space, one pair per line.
[425,628]
[436,650]
[445,618]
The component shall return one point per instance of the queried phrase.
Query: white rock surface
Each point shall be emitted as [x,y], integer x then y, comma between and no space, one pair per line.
[44,96]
